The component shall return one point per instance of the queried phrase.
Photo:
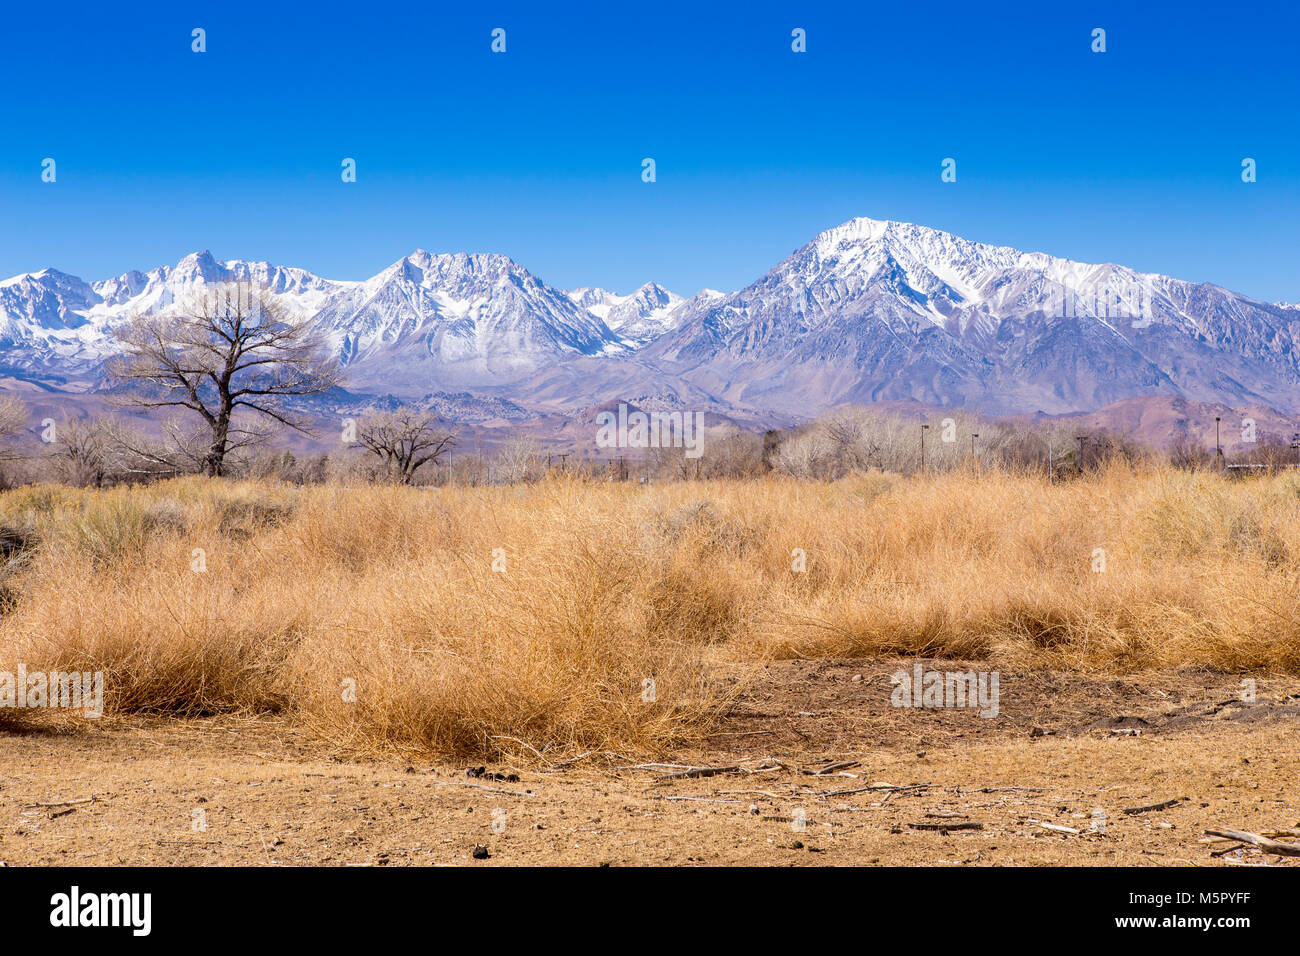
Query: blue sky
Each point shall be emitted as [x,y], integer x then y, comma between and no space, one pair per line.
[1132,156]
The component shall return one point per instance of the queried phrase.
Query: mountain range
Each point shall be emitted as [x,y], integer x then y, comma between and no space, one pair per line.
[869,311]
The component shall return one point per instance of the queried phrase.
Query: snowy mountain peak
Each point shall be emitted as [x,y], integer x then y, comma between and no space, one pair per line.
[906,240]
[199,267]
[873,309]
[639,317]
[434,270]
[859,229]
[46,277]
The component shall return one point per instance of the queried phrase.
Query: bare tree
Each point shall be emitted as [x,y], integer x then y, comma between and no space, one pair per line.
[519,459]
[403,440]
[180,449]
[234,350]
[1188,454]
[83,452]
[853,448]
[13,416]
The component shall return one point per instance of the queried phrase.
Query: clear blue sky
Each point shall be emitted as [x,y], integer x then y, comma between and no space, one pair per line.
[1132,156]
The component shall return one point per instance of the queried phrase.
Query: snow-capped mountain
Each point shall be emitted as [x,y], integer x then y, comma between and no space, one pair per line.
[45,327]
[867,311]
[426,321]
[638,318]
[55,326]
[460,320]
[874,310]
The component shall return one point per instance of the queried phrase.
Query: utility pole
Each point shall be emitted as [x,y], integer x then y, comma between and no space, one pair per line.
[1218,449]
[1079,462]
[973,436]
[924,428]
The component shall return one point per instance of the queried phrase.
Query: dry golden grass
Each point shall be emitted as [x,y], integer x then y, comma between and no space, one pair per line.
[605,585]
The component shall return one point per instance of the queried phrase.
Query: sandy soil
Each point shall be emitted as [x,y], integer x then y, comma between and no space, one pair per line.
[1062,748]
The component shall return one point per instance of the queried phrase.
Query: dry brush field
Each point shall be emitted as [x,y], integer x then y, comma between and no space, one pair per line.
[478,621]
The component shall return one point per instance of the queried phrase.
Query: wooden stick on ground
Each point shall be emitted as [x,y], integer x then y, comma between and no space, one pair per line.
[66,803]
[1235,846]
[699,772]
[1057,828]
[954,825]
[1151,806]
[875,786]
[656,766]
[1254,839]
[660,796]
[832,767]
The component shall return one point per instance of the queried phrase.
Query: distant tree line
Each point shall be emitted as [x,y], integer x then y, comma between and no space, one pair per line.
[223,375]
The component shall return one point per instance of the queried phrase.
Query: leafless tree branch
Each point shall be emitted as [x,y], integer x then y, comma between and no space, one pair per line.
[235,349]
[403,440]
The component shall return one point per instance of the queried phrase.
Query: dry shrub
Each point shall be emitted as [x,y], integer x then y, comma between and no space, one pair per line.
[1195,570]
[310,592]
[388,590]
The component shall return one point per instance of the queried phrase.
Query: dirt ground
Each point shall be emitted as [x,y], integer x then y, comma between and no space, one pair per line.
[1067,751]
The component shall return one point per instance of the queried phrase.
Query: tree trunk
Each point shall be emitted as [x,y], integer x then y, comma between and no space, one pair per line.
[216,459]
